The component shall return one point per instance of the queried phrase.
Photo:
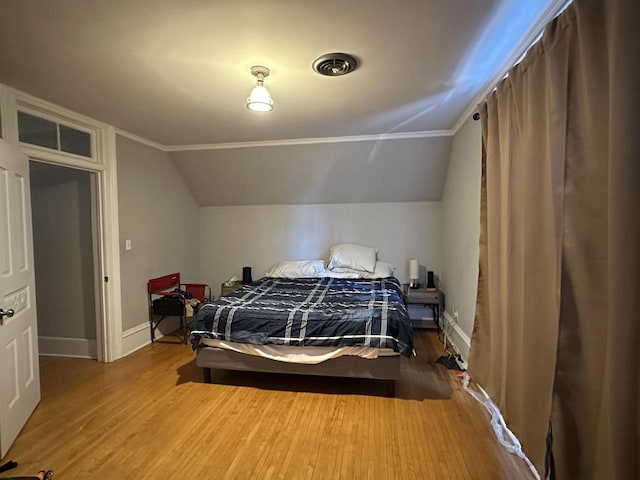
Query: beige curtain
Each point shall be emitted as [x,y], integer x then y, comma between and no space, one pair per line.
[556,338]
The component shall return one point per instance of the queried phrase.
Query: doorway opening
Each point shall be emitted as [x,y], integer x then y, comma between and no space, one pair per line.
[66,260]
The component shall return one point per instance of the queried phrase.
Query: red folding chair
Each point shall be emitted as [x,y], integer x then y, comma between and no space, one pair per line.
[201,291]
[167,298]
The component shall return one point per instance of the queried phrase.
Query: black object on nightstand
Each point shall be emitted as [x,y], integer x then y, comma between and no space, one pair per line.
[418,300]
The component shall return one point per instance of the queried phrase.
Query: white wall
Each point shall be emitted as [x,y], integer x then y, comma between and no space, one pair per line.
[461,231]
[258,236]
[159,215]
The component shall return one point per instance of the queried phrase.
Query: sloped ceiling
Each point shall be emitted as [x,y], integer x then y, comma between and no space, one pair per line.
[177,73]
[347,172]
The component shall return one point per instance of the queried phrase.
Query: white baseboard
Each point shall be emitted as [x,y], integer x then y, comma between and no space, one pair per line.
[457,336]
[67,347]
[137,337]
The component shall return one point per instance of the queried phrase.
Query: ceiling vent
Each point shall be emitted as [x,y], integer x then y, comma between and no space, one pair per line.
[335,64]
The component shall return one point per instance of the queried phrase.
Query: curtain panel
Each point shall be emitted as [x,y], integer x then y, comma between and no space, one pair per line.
[556,336]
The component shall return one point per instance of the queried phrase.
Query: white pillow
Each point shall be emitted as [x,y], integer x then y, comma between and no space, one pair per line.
[355,257]
[382,270]
[297,269]
[350,274]
[346,270]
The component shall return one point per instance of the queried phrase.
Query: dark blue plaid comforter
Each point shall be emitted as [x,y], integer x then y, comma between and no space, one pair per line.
[310,312]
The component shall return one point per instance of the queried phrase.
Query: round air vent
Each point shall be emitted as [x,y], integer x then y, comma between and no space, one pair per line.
[335,64]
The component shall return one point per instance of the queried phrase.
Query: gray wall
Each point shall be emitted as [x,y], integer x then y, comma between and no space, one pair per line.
[258,236]
[159,215]
[171,232]
[63,251]
[461,224]
[406,170]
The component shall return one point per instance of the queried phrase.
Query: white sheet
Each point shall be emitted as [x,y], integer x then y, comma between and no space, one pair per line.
[308,355]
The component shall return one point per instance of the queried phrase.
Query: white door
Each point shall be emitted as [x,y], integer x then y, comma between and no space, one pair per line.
[19,370]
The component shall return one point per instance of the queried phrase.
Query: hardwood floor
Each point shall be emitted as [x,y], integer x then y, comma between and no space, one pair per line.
[150,416]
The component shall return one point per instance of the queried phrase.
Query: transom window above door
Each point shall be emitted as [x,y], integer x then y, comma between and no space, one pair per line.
[42,132]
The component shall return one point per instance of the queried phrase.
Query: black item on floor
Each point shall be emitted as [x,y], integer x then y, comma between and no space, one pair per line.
[8,466]
[450,362]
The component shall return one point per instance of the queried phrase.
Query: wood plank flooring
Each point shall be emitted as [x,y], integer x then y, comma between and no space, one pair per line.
[150,416]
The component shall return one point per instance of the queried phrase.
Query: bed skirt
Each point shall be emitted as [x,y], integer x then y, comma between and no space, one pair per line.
[381,368]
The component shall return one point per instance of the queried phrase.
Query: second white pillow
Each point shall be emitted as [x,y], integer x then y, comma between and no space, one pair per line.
[297,269]
[353,256]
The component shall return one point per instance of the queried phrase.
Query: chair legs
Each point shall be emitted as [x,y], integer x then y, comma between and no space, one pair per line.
[184,329]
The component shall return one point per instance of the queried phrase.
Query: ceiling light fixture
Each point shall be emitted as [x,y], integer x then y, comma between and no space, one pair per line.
[260,99]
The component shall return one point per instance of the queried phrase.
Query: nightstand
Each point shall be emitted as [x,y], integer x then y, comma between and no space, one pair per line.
[424,306]
[226,288]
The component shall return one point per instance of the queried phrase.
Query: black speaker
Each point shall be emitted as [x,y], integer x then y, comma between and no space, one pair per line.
[431,283]
[246,275]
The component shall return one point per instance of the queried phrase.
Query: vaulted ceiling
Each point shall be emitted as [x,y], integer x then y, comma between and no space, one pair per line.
[178,72]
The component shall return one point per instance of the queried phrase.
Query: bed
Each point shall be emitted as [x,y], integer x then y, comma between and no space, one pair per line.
[345,327]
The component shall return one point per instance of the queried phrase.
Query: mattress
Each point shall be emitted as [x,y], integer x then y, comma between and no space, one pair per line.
[306,355]
[306,312]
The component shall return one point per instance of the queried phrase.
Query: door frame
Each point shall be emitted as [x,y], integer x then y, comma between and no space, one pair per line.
[96,278]
[103,164]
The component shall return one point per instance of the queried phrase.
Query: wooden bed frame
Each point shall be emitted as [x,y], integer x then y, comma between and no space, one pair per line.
[381,368]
